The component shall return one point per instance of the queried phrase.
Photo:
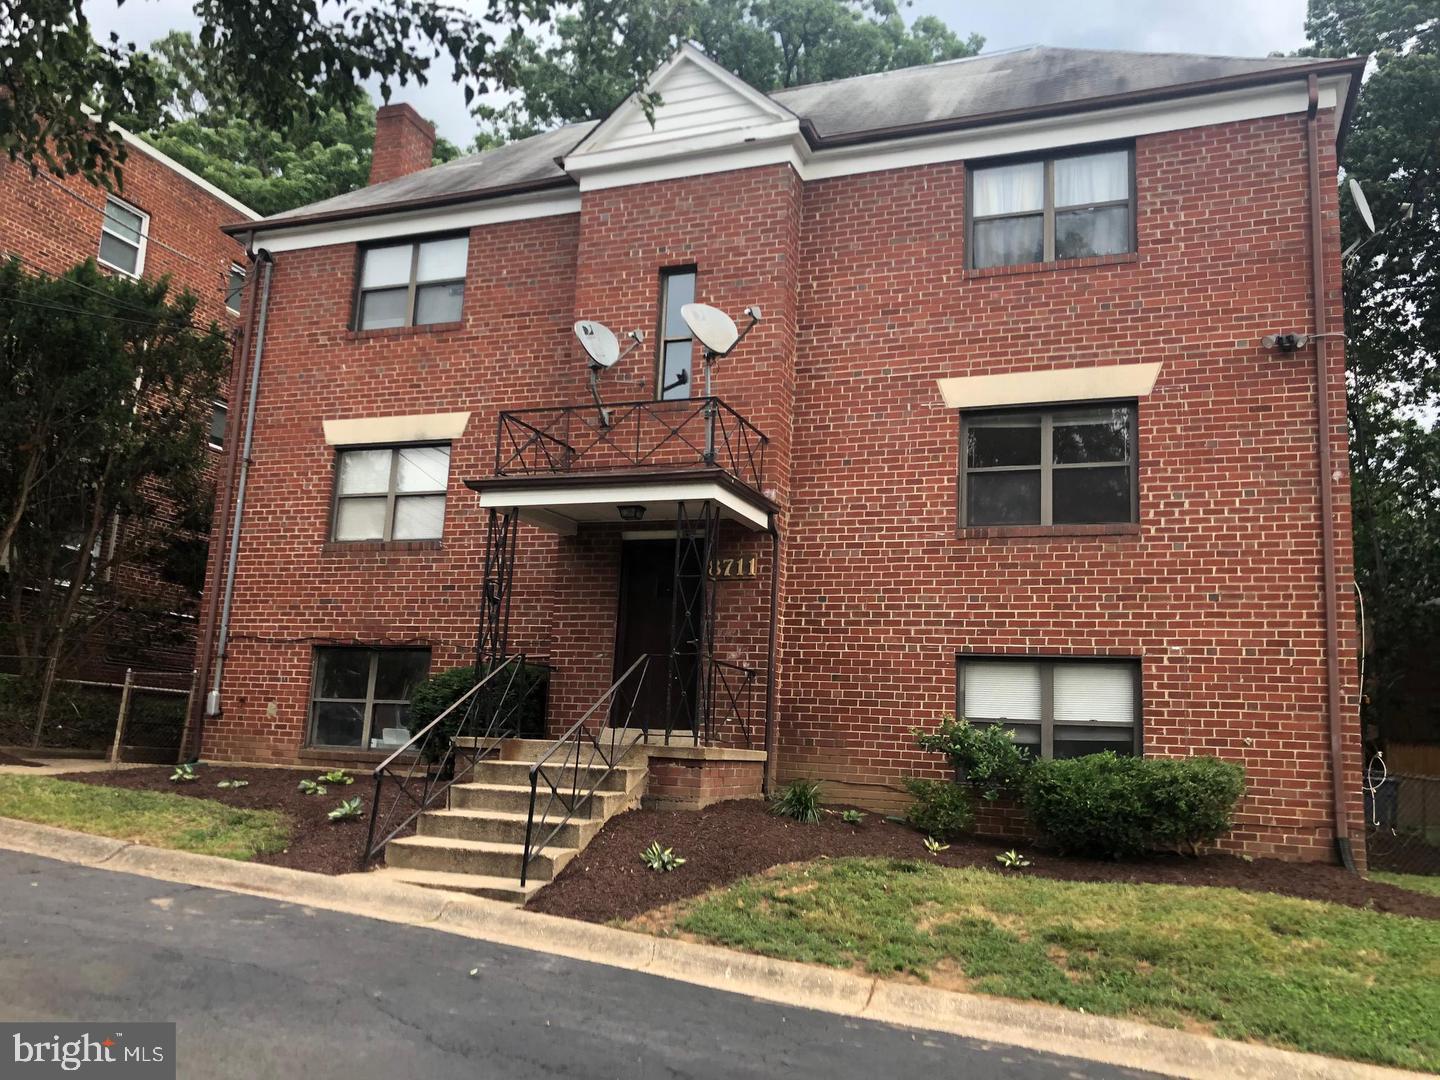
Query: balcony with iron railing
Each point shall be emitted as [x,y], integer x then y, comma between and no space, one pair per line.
[651,437]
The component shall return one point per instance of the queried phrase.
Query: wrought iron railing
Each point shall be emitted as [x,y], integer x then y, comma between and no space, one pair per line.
[436,758]
[688,433]
[730,704]
[597,743]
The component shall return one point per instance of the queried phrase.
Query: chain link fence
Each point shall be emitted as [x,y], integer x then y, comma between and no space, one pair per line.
[1402,817]
[124,715]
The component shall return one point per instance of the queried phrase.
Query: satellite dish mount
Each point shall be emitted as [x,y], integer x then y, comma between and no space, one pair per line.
[718,336]
[603,348]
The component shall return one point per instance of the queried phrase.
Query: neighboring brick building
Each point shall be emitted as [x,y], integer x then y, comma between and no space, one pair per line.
[1025,455]
[165,221]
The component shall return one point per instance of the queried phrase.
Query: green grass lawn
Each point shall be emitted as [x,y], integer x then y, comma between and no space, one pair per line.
[1295,973]
[147,817]
[1414,882]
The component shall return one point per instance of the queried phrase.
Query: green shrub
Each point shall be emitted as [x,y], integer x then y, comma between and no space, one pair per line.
[1113,806]
[443,689]
[800,800]
[985,755]
[941,809]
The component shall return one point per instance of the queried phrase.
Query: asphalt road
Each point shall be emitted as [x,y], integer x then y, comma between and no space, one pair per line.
[265,989]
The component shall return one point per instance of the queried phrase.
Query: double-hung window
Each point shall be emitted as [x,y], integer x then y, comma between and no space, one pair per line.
[1057,708]
[412,284]
[391,493]
[1068,466]
[235,287]
[122,237]
[1070,207]
[361,697]
[677,344]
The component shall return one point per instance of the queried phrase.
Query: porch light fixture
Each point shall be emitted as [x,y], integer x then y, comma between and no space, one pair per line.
[603,348]
[631,511]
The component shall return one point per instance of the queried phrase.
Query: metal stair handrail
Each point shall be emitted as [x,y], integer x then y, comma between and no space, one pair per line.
[439,775]
[572,743]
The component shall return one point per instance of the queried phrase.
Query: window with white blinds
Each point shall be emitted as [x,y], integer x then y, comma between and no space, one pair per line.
[1057,708]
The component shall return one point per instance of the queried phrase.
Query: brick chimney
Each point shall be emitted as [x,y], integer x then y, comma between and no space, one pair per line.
[404,143]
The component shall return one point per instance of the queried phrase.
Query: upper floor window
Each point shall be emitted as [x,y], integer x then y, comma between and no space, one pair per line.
[677,344]
[1057,708]
[122,237]
[219,417]
[412,284]
[1068,207]
[361,697]
[391,493]
[1068,466]
[235,287]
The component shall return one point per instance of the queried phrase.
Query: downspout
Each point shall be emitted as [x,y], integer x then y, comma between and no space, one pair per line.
[210,610]
[212,699]
[1327,498]
[771,741]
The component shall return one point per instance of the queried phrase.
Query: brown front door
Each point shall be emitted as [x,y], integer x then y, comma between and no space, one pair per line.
[647,597]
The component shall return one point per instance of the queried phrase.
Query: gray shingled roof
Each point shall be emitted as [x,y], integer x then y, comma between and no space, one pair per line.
[1033,78]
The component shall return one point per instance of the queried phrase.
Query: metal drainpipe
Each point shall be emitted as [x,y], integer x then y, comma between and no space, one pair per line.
[212,702]
[771,740]
[1327,499]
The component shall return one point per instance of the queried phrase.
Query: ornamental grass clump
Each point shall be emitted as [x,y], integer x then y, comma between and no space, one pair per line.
[800,800]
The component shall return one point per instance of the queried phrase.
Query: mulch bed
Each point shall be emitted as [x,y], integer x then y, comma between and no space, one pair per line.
[316,843]
[731,840]
[11,759]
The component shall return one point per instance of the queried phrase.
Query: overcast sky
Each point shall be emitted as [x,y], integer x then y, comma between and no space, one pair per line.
[1228,27]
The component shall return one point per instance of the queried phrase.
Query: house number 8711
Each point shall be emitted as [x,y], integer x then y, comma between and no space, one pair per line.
[743,567]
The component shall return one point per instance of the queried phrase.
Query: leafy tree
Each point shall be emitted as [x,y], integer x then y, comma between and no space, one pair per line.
[105,387]
[600,52]
[1392,326]
[60,90]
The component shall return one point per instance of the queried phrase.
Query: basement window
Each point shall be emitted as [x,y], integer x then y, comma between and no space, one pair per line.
[412,284]
[1057,708]
[360,698]
[122,237]
[1046,209]
[391,493]
[1069,466]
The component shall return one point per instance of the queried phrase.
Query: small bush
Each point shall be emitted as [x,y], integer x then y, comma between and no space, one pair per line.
[1113,806]
[941,809]
[800,800]
[658,858]
[437,693]
[985,756]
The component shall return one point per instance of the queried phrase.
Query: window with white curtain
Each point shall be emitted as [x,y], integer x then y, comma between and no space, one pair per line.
[1070,207]
[1057,708]
[412,284]
[391,493]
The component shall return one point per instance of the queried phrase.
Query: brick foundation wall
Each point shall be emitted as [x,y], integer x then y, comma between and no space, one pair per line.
[677,784]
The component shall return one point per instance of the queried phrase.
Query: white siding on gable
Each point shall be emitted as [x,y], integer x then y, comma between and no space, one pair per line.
[693,102]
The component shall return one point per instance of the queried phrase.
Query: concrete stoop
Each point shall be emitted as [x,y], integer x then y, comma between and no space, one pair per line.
[476,844]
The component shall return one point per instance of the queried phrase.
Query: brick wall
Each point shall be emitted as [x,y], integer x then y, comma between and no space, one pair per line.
[678,784]
[867,302]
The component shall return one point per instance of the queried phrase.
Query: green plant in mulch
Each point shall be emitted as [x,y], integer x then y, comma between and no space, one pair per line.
[348,808]
[338,777]
[183,774]
[231,784]
[985,756]
[934,847]
[658,858]
[852,817]
[310,787]
[940,808]
[1012,860]
[800,800]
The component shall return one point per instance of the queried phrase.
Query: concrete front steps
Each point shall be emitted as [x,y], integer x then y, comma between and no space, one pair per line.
[476,844]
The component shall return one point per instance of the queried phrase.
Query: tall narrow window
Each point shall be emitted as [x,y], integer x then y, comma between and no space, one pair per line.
[1074,466]
[677,345]
[361,697]
[413,284]
[1068,207]
[1057,708]
[235,287]
[391,493]
[219,417]
[122,237]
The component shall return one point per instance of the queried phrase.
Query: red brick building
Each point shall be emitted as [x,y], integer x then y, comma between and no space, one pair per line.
[163,221]
[1010,437]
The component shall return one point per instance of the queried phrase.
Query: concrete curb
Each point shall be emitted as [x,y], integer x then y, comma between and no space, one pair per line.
[1042,1028]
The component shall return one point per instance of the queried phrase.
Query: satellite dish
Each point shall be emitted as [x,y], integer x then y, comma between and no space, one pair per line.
[599,342]
[714,329]
[1362,204]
